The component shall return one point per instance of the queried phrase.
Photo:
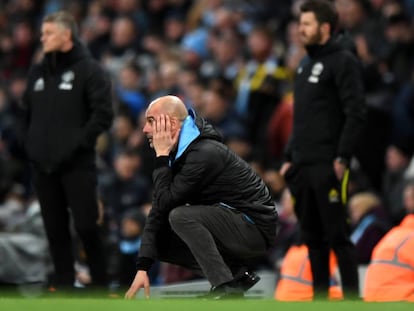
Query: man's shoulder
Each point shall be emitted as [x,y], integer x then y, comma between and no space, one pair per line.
[206,149]
[90,64]
[209,145]
[35,69]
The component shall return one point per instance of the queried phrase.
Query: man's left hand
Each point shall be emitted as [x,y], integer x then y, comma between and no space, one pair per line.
[339,169]
[163,140]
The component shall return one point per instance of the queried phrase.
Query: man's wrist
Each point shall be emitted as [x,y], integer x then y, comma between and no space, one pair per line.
[144,263]
[161,161]
[162,153]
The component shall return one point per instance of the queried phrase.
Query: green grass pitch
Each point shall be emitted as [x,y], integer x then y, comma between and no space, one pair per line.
[111,304]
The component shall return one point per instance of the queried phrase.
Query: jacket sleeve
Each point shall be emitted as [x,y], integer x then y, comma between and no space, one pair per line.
[349,80]
[24,109]
[172,191]
[98,97]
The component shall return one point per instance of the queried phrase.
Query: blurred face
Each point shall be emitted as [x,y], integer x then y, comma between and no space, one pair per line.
[126,167]
[395,159]
[259,44]
[22,35]
[226,51]
[174,29]
[355,211]
[129,79]
[122,128]
[54,37]
[309,29]
[214,106]
[409,199]
[123,32]
[350,13]
[130,228]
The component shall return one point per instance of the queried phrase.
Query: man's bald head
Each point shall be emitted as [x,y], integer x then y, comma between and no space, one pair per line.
[169,105]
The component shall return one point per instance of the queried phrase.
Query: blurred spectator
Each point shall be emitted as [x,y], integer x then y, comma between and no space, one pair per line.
[260,84]
[295,282]
[124,188]
[202,13]
[408,197]
[134,9]
[174,27]
[369,221]
[288,231]
[169,78]
[122,128]
[132,226]
[276,184]
[400,36]
[397,160]
[23,243]
[280,128]
[194,48]
[129,89]
[403,115]
[390,275]
[226,58]
[123,45]
[156,12]
[17,49]
[120,190]
[96,28]
[295,50]
[12,209]
[357,17]
[218,111]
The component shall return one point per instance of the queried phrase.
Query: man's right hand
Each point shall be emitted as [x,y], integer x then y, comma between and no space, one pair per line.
[285,167]
[141,280]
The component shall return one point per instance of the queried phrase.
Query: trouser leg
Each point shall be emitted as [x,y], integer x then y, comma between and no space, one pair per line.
[54,208]
[80,188]
[311,229]
[215,235]
[172,249]
[330,195]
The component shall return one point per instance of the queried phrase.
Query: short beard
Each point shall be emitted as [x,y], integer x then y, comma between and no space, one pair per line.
[315,39]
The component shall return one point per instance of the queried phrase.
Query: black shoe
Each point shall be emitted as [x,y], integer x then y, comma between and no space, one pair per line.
[224,291]
[246,280]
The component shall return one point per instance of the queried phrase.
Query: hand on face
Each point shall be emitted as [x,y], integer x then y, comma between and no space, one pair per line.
[163,138]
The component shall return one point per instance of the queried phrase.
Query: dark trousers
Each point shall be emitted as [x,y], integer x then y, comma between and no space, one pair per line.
[320,200]
[75,190]
[213,240]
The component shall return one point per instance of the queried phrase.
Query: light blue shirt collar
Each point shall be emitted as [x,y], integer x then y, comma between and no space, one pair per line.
[189,132]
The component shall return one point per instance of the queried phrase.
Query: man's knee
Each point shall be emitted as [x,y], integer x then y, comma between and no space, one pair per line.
[178,215]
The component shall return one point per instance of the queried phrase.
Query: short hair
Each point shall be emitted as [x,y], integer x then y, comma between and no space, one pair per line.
[65,19]
[324,11]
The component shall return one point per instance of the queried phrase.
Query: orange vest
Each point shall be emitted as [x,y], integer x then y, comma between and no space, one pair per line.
[390,274]
[295,282]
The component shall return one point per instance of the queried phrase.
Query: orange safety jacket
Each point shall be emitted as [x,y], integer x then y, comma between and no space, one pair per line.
[296,282]
[390,274]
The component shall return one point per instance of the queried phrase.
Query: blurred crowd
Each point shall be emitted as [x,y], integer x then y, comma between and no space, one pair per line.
[233,62]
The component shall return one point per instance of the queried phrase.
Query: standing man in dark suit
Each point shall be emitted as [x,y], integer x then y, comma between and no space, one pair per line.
[329,110]
[67,104]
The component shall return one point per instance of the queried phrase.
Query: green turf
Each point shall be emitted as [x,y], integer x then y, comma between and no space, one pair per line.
[34,298]
[104,304]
